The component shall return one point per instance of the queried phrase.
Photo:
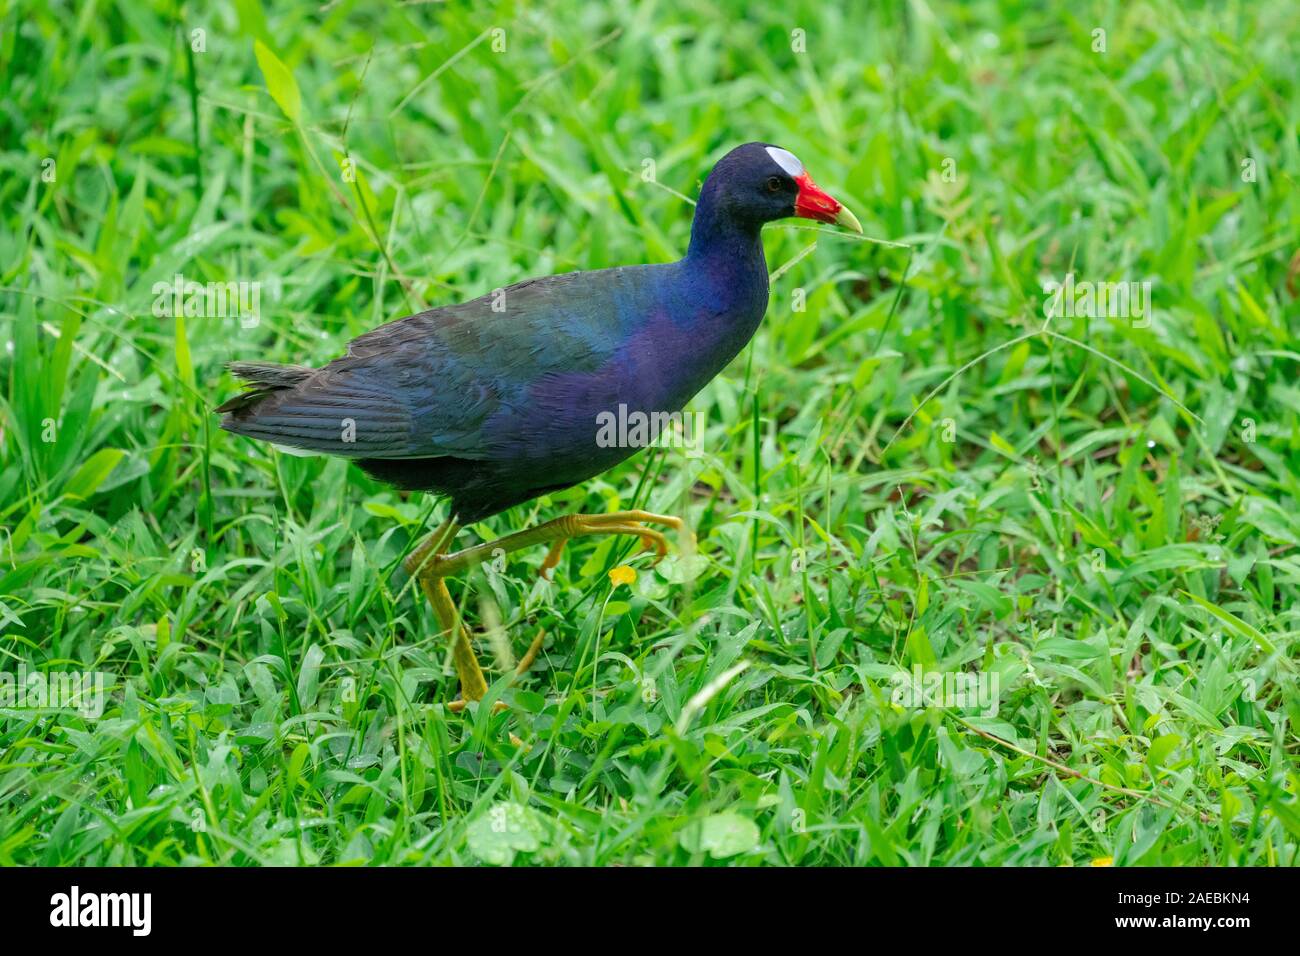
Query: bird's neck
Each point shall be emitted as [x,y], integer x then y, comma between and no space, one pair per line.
[718,294]
[725,264]
[719,241]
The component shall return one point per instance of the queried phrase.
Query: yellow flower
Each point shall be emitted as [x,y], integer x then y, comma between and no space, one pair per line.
[1104,861]
[622,575]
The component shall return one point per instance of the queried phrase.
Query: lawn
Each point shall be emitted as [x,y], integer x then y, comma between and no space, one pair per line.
[943,461]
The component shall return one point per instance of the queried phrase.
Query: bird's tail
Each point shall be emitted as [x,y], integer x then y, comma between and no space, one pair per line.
[263,378]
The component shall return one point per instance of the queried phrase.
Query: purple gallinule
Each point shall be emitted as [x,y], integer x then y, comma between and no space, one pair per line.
[493,402]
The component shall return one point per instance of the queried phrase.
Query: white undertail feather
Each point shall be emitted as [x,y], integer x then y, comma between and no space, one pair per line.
[297,452]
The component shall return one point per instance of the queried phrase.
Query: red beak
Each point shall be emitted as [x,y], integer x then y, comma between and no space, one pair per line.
[815,203]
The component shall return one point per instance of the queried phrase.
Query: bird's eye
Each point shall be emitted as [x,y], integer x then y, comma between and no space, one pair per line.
[774,184]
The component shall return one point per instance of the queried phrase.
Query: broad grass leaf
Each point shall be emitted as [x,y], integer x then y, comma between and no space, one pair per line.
[720,835]
[506,829]
[92,473]
[279,82]
[309,677]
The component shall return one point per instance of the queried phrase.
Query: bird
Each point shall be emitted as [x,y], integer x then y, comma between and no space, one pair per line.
[493,402]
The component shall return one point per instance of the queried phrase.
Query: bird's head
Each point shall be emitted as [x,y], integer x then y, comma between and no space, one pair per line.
[759,182]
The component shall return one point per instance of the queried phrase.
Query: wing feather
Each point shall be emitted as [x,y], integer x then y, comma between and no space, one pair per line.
[427,385]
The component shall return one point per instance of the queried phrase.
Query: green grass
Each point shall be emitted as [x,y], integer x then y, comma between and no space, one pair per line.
[917,468]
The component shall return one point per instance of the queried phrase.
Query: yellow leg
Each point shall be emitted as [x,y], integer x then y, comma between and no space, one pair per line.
[432,564]
[473,685]
[557,532]
[526,661]
[456,706]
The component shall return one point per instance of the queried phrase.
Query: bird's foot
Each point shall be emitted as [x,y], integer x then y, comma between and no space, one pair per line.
[458,705]
[525,662]
[618,522]
[431,565]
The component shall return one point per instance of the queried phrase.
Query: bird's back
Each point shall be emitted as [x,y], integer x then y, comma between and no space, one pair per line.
[429,384]
[496,400]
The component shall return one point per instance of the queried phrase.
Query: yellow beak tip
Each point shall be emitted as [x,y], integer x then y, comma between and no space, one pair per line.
[848,220]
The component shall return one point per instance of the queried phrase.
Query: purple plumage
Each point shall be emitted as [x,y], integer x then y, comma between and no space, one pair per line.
[498,400]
